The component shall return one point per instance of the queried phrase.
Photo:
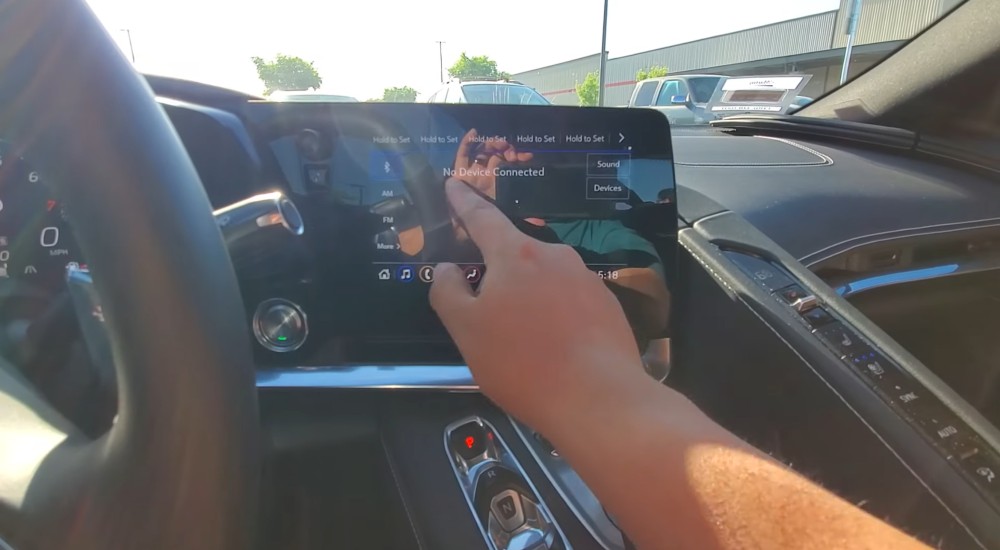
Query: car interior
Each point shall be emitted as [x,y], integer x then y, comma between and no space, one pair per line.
[215,330]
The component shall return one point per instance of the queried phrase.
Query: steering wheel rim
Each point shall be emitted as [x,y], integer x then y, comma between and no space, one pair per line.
[180,468]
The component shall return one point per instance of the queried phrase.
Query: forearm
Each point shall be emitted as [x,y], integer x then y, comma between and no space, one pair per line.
[644,297]
[674,479]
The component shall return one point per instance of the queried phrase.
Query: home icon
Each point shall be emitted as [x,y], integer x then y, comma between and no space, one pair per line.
[384,275]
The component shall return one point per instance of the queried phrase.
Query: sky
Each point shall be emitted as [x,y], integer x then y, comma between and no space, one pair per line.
[361,47]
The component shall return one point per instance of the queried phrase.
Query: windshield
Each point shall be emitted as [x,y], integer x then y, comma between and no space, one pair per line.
[702,88]
[505,94]
[402,51]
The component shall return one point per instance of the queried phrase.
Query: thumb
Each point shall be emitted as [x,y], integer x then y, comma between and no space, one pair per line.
[451,295]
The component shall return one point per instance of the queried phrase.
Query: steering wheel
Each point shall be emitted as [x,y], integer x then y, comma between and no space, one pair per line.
[180,467]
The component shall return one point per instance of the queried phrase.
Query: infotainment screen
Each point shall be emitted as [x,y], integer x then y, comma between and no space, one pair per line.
[369,179]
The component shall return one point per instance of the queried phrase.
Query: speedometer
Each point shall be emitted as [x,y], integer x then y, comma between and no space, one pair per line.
[36,242]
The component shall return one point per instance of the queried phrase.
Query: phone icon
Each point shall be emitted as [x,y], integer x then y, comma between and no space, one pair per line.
[426,273]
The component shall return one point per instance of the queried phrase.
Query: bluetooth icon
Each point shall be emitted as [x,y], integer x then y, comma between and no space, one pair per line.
[385,165]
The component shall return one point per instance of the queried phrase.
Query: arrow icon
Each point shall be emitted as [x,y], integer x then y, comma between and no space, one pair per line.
[621,137]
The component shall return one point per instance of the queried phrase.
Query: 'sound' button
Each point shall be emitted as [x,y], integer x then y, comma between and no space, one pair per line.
[609,164]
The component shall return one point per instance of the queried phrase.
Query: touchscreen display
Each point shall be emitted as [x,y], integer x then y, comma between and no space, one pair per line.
[598,180]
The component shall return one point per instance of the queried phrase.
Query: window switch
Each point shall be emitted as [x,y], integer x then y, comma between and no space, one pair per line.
[792,294]
[817,317]
[841,339]
[762,271]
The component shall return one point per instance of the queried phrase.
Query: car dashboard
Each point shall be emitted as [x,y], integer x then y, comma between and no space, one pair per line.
[806,277]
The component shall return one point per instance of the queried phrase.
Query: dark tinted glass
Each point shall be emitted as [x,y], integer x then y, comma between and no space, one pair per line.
[702,88]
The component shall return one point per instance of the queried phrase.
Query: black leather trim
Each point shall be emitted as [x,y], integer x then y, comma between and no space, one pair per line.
[403,494]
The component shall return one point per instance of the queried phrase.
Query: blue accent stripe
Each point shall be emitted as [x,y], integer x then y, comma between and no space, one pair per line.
[896,278]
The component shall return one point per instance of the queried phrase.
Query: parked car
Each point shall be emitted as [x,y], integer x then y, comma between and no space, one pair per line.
[682,98]
[488,91]
[314,96]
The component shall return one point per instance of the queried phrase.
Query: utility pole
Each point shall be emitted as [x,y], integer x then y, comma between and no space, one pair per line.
[131,50]
[441,59]
[852,29]
[604,57]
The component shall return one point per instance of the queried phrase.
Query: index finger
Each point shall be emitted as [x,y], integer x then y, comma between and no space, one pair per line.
[462,154]
[485,224]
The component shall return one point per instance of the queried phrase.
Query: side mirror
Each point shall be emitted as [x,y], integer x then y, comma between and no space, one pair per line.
[678,100]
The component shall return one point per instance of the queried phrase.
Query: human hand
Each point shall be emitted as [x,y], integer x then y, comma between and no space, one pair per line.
[476,161]
[542,332]
[475,164]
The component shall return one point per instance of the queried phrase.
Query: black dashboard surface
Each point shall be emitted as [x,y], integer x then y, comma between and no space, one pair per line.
[815,209]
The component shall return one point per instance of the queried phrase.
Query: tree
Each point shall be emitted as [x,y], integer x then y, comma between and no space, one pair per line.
[651,72]
[399,94]
[480,67]
[287,72]
[588,90]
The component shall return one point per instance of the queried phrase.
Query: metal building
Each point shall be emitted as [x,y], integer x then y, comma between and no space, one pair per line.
[808,45]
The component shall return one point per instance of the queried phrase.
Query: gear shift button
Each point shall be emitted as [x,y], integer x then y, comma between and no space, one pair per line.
[468,440]
[507,508]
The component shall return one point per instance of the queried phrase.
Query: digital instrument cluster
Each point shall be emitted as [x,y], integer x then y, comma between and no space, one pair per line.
[36,240]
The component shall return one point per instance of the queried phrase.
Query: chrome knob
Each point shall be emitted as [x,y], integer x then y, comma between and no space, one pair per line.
[280,325]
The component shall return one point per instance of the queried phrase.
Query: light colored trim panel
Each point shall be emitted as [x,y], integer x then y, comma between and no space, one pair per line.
[456,378]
